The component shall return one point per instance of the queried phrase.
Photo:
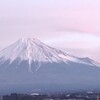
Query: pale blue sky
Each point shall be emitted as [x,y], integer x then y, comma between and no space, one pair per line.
[66,24]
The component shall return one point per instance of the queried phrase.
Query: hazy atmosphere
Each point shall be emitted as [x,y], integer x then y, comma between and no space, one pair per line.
[70,25]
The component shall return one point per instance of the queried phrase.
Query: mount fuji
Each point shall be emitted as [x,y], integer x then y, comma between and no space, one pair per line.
[30,65]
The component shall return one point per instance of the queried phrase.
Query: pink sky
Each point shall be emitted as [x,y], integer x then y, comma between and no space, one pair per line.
[71,25]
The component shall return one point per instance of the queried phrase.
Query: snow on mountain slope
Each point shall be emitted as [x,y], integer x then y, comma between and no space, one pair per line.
[29,64]
[34,50]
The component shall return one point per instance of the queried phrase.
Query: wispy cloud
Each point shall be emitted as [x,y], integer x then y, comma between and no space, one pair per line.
[60,23]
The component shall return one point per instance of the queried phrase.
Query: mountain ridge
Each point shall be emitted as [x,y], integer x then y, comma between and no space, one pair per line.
[29,64]
[28,46]
[33,50]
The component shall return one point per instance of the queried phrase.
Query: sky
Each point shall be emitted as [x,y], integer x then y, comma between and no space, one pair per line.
[69,25]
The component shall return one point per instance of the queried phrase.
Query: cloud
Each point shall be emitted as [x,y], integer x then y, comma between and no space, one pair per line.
[72,24]
[48,15]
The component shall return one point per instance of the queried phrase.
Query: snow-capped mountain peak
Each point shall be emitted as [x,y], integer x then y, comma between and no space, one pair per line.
[34,50]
